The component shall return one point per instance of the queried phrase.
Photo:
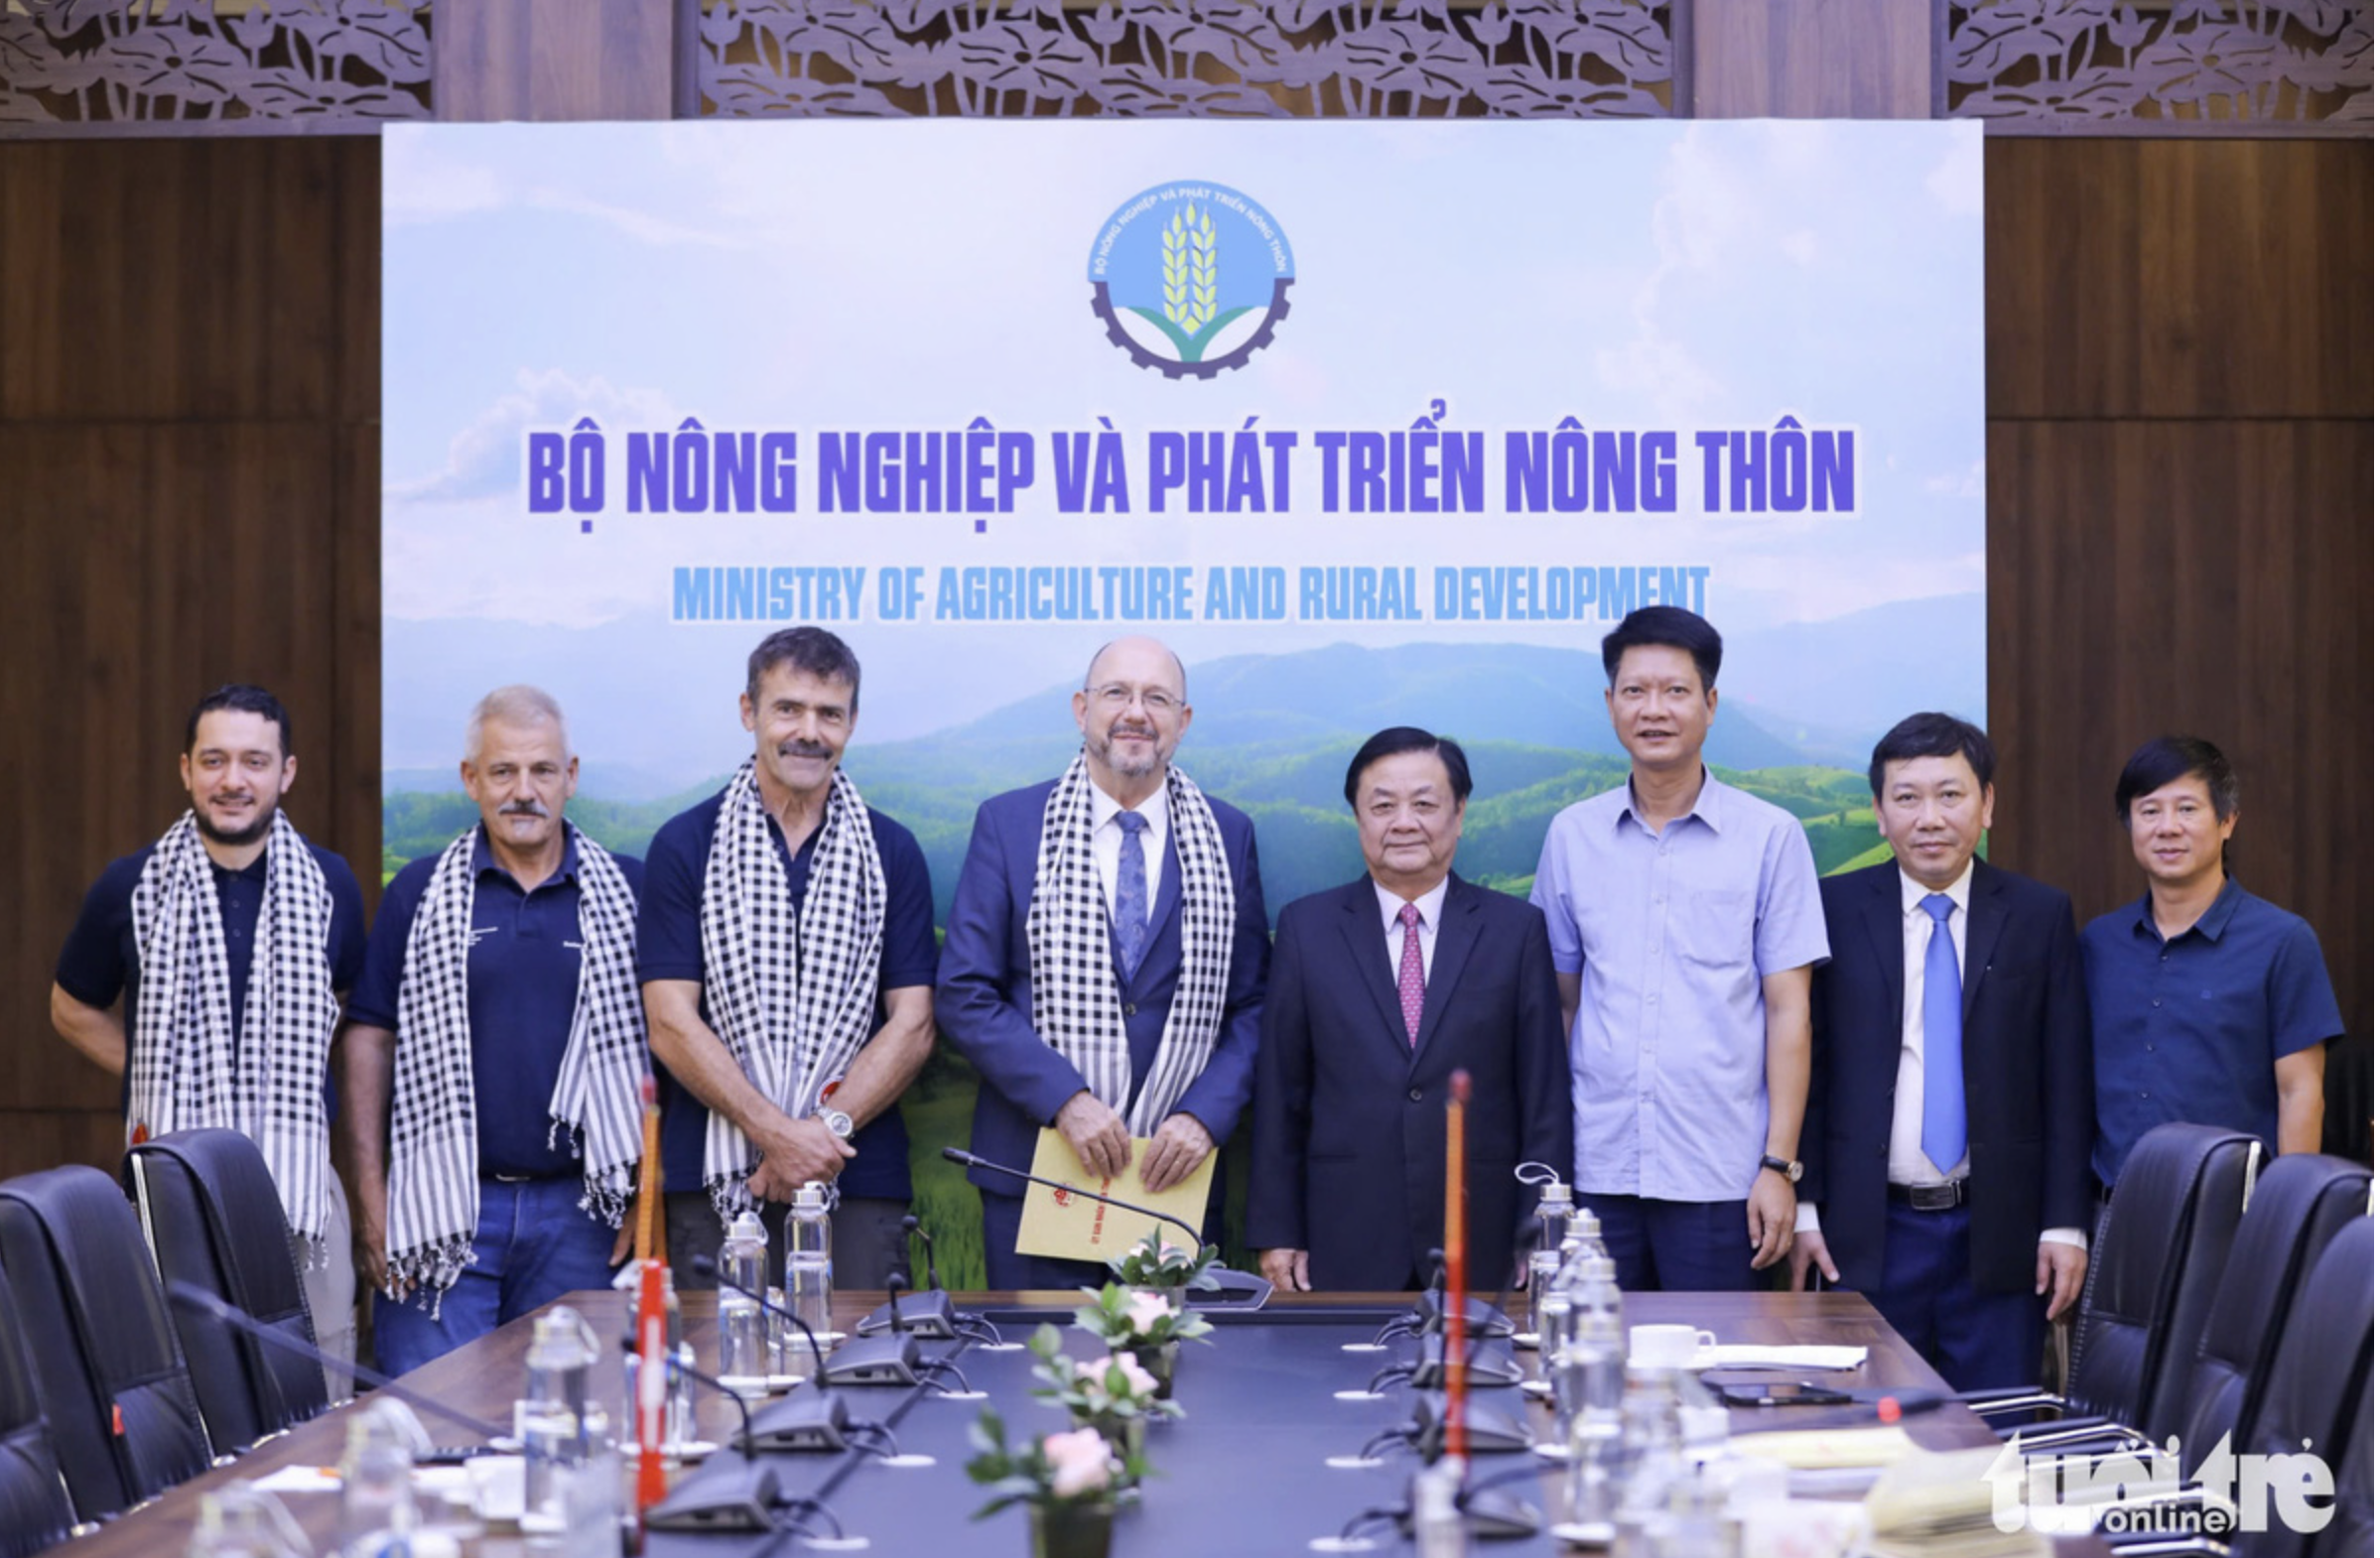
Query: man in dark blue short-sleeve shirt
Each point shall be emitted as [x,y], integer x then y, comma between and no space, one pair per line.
[786,945]
[230,916]
[497,1054]
[2208,1005]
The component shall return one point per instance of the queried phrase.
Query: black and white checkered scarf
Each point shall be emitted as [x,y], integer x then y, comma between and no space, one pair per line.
[189,1067]
[433,1124]
[1075,1005]
[793,997]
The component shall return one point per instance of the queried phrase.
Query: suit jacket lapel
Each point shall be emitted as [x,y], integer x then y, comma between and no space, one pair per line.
[1368,944]
[1986,918]
[1458,931]
[1884,939]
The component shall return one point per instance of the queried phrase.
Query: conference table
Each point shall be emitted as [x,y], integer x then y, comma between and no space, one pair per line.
[1276,1398]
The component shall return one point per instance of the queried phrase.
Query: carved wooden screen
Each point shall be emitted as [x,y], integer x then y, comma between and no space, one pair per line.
[2160,67]
[1254,59]
[209,66]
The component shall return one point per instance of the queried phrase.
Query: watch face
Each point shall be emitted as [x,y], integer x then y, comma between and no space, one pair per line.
[836,1121]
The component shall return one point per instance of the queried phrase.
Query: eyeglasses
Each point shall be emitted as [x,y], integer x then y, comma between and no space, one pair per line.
[1116,696]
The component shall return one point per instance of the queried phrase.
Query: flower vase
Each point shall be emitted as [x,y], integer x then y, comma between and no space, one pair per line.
[1127,1437]
[1073,1528]
[1160,1361]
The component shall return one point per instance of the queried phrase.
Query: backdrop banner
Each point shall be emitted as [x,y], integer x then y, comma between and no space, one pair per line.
[1375,423]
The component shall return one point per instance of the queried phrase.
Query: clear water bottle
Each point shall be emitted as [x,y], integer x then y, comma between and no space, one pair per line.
[1554,1205]
[1589,1374]
[743,1271]
[243,1521]
[1653,1455]
[376,1512]
[554,1410]
[1558,1315]
[1543,1266]
[810,1259]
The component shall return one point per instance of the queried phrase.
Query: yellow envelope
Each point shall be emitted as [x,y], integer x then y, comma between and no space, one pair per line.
[1076,1228]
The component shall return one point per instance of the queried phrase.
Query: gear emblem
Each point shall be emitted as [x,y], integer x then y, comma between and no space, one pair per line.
[1191,278]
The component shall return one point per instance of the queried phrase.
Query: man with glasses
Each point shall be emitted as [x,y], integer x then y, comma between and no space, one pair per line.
[1104,963]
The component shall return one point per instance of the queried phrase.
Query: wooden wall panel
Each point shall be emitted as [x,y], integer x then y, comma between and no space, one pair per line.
[1812,59]
[190,458]
[2148,278]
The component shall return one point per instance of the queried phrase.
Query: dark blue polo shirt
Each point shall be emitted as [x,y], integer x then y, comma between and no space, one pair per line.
[523,983]
[669,946]
[101,960]
[2189,1030]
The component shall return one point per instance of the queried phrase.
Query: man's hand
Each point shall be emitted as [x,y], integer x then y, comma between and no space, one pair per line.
[1768,1217]
[372,1237]
[1096,1135]
[1809,1250]
[800,1151]
[2057,1270]
[1180,1145]
[1285,1268]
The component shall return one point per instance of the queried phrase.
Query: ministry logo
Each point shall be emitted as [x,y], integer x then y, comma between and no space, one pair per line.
[1191,278]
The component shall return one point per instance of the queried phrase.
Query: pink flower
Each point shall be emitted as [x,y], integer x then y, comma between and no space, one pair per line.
[1145,1310]
[1078,1462]
[1137,1381]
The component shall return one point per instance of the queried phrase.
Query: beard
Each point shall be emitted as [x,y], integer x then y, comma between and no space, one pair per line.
[1104,748]
[235,838]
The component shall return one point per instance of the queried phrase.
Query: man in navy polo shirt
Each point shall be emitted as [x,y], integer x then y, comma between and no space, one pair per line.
[2208,1005]
[786,946]
[230,916]
[496,1054]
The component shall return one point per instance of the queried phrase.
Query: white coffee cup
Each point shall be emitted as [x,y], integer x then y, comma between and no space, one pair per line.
[1666,1347]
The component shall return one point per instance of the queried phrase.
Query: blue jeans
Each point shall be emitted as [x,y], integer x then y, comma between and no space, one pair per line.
[533,1245]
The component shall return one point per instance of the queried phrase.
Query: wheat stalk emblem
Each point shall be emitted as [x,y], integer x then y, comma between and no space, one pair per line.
[1190,270]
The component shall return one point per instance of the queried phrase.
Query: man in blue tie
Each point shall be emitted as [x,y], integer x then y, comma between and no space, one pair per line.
[1946,1148]
[1104,963]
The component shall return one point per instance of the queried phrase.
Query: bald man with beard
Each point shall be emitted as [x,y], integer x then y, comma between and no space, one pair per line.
[1136,896]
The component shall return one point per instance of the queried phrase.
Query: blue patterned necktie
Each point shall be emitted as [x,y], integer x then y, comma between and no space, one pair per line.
[1132,895]
[1944,1136]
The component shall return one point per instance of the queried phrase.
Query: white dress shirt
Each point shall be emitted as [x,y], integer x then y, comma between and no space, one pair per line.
[1107,842]
[1430,903]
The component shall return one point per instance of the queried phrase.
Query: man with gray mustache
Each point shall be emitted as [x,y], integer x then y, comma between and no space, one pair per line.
[497,1054]
[786,948]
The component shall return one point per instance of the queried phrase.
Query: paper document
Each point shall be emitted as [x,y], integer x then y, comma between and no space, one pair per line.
[1076,1228]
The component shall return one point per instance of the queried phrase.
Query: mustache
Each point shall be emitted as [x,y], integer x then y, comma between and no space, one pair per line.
[529,808]
[804,749]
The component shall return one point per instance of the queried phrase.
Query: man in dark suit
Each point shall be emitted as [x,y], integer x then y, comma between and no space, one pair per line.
[1381,989]
[1104,964]
[1946,1152]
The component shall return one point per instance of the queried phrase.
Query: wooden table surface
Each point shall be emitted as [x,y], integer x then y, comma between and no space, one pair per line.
[483,1380]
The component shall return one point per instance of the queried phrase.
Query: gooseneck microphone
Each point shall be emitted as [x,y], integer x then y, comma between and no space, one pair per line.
[887,1358]
[741,1496]
[930,1315]
[214,1308]
[816,1420]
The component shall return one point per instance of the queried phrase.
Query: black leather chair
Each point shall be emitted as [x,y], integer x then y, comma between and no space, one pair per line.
[2320,1392]
[33,1511]
[105,1366]
[2299,1206]
[2349,1533]
[2159,1253]
[213,1220]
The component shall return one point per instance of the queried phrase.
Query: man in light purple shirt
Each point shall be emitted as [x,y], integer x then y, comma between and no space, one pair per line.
[1685,921]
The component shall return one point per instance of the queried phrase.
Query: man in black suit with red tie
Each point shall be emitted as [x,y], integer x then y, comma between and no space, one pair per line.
[1380,991]
[1947,1150]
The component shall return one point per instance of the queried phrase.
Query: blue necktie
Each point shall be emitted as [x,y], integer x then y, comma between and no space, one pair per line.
[1944,1136]
[1131,896]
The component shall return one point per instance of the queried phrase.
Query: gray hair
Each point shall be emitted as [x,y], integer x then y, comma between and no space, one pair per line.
[519,703]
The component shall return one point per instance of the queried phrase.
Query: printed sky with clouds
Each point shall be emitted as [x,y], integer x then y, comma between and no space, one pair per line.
[915,275]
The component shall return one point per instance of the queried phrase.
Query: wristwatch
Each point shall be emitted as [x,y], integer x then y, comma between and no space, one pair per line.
[1791,1170]
[838,1123]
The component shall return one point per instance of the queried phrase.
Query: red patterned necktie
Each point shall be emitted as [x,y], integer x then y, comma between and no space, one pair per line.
[1408,973]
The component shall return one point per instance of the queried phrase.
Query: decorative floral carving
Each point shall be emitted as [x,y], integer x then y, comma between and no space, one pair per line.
[2204,67]
[1401,59]
[65,65]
